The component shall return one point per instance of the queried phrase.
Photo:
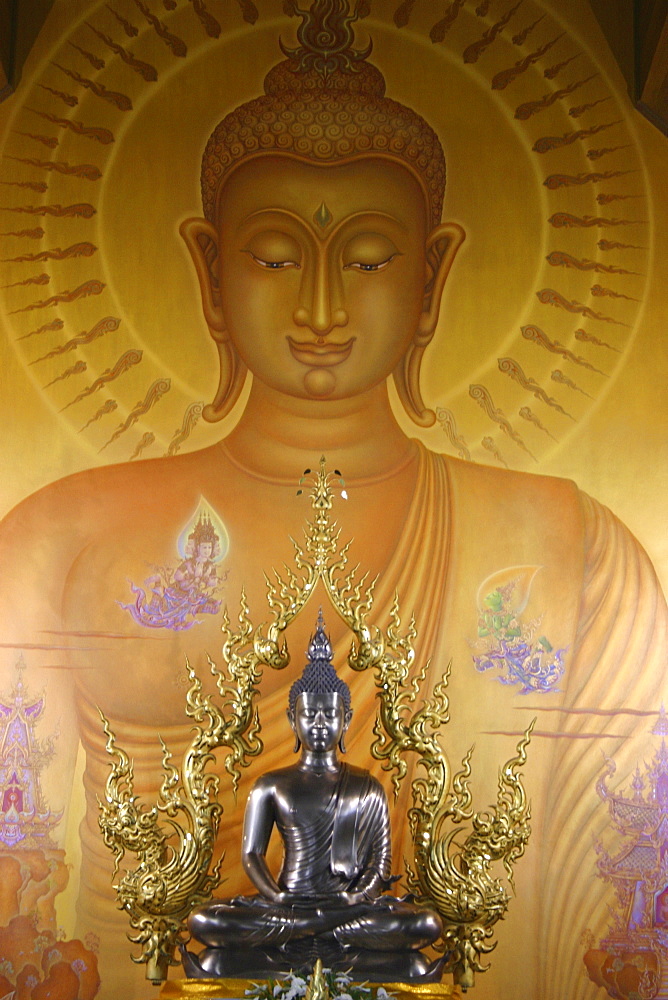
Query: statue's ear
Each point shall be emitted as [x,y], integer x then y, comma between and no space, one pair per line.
[442,245]
[346,722]
[201,238]
[291,719]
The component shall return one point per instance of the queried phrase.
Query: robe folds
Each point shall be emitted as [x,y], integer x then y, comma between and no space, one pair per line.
[541,600]
[344,846]
[349,838]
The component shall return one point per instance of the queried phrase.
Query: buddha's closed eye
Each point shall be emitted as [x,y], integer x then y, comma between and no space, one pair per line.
[368,252]
[274,250]
[369,268]
[274,265]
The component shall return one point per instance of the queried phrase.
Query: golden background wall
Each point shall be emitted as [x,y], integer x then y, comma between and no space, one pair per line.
[549,356]
[163,118]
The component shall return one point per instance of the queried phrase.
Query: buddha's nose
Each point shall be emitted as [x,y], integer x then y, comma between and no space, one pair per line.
[321,306]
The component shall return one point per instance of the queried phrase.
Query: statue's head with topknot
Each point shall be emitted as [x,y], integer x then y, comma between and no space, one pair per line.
[319,676]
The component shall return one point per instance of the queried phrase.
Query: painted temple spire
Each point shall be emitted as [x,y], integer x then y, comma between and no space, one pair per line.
[25,819]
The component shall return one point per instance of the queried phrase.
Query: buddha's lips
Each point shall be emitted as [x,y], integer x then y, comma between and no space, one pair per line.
[320,355]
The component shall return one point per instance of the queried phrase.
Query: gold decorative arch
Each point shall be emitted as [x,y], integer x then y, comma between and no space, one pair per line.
[458,881]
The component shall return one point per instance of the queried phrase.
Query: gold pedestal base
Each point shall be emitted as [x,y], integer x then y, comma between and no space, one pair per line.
[212,989]
[423,991]
[235,989]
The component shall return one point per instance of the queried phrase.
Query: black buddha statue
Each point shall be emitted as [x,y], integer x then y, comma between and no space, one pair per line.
[329,898]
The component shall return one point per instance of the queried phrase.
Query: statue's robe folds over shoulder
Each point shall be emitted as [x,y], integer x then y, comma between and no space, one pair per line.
[594,596]
[347,848]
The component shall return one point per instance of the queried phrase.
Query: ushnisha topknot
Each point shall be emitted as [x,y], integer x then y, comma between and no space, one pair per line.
[319,676]
[325,104]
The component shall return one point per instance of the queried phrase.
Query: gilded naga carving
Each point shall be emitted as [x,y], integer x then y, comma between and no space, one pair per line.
[175,873]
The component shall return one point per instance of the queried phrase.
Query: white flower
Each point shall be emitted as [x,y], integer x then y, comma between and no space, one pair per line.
[382,994]
[297,988]
[344,996]
[278,989]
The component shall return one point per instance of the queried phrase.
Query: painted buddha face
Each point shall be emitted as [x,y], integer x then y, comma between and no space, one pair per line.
[317,274]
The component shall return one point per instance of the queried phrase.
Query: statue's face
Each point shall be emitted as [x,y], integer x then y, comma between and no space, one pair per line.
[321,272]
[319,721]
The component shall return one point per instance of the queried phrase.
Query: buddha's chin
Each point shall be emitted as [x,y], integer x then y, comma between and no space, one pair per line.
[320,382]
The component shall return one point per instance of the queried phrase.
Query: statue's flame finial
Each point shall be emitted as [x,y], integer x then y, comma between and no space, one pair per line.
[319,676]
[326,36]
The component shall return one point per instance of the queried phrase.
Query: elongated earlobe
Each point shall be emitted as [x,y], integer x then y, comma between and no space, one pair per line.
[346,723]
[407,382]
[201,239]
[291,720]
[442,246]
[231,381]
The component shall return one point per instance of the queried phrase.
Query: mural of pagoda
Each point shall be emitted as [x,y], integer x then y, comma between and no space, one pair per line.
[631,962]
[24,816]
[37,961]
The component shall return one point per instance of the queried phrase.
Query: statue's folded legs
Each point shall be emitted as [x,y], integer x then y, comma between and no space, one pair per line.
[385,924]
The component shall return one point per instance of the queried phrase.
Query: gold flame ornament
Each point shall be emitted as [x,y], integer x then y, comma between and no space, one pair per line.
[457,881]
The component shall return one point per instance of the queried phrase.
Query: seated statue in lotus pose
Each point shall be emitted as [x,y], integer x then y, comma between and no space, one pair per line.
[334,823]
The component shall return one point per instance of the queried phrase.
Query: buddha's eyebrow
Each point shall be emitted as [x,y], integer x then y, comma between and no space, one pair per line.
[367,213]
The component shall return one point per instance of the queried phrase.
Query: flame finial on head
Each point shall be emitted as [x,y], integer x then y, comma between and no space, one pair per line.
[326,36]
[319,676]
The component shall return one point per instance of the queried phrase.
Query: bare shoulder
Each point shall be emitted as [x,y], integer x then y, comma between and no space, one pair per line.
[44,536]
[71,511]
[282,776]
[265,788]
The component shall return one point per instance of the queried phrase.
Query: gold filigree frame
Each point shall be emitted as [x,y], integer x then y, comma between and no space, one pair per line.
[174,871]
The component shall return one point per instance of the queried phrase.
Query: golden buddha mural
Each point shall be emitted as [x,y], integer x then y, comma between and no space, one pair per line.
[453,349]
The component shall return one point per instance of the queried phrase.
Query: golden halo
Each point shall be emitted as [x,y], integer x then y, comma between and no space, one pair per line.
[544,173]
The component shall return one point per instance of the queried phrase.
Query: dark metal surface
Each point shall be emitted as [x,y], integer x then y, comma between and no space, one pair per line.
[333,820]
